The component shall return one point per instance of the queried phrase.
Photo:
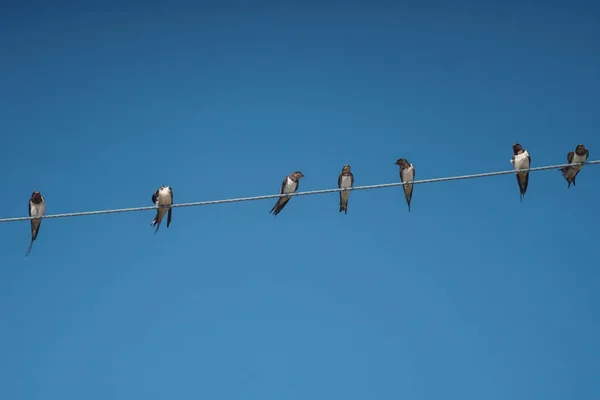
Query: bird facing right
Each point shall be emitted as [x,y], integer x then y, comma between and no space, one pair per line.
[580,155]
[290,184]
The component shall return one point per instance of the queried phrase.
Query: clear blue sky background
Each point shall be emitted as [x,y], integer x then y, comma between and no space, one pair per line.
[471,295]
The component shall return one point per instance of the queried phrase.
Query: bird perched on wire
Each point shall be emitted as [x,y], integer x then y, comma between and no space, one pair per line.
[37,208]
[163,198]
[345,180]
[407,174]
[580,155]
[290,184]
[521,160]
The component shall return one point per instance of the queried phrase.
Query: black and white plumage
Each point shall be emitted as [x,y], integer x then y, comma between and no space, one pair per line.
[345,180]
[163,198]
[521,160]
[580,155]
[37,208]
[290,184]
[407,174]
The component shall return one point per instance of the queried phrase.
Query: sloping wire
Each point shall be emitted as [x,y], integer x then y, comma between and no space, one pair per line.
[308,193]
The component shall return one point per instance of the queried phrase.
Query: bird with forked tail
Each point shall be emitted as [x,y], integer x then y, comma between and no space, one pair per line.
[290,184]
[580,155]
[407,174]
[37,208]
[163,198]
[521,160]
[345,180]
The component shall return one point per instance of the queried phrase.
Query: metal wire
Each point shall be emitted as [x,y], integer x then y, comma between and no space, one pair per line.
[308,193]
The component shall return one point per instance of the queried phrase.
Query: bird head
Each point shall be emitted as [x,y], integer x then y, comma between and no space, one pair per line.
[403,163]
[297,175]
[580,150]
[36,197]
[517,148]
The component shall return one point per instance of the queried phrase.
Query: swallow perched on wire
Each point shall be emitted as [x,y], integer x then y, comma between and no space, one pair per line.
[345,180]
[580,155]
[407,174]
[163,198]
[37,208]
[521,160]
[290,184]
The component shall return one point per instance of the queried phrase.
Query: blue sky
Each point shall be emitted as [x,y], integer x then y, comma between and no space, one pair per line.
[471,295]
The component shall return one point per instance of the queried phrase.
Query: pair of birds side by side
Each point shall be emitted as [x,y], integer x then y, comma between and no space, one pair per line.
[291,183]
[521,160]
[163,196]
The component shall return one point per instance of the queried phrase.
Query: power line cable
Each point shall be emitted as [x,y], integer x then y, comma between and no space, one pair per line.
[308,193]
